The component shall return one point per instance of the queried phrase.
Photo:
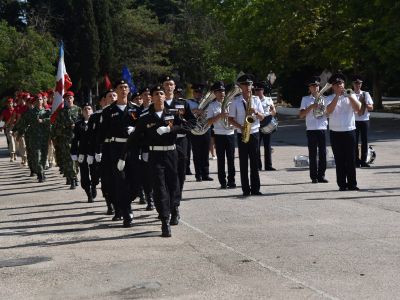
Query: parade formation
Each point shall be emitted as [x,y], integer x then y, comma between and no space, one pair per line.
[138,145]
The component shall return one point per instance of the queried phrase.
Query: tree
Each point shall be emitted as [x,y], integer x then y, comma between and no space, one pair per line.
[26,60]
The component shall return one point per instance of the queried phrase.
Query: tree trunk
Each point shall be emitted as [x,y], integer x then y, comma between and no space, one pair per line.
[377,89]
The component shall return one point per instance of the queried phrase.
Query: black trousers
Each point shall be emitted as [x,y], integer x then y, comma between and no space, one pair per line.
[225,146]
[181,147]
[317,146]
[362,132]
[120,190]
[200,147]
[134,173]
[343,144]
[145,176]
[249,151]
[88,175]
[163,167]
[265,139]
[105,174]
[188,153]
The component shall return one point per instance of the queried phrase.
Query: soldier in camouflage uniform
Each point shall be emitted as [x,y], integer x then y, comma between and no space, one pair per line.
[64,132]
[36,121]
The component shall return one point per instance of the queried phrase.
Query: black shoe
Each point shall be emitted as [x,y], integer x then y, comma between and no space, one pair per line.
[175,217]
[245,194]
[343,188]
[90,199]
[73,184]
[32,174]
[364,165]
[256,193]
[94,191]
[231,185]
[68,182]
[223,186]
[314,181]
[353,188]
[150,206]
[142,199]
[110,211]
[323,180]
[207,178]
[188,172]
[270,169]
[40,177]
[198,179]
[150,202]
[165,228]
[127,223]
[116,218]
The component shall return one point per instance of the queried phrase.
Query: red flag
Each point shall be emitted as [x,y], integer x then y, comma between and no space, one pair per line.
[107,82]
[63,83]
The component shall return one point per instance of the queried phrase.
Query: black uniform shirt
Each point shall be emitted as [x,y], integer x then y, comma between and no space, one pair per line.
[185,114]
[114,122]
[79,144]
[93,127]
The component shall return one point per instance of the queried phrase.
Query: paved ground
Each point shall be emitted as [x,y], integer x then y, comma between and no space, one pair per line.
[299,241]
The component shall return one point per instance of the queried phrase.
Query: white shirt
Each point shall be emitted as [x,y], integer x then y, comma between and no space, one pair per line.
[238,112]
[342,118]
[312,123]
[368,100]
[193,104]
[266,103]
[213,110]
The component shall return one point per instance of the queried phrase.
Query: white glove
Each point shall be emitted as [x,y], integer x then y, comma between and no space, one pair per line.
[121,165]
[163,129]
[89,159]
[74,157]
[145,156]
[130,129]
[97,157]
[81,158]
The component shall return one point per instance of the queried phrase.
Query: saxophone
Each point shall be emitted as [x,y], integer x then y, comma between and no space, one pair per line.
[248,121]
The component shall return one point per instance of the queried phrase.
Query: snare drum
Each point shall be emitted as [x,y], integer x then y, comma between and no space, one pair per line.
[269,125]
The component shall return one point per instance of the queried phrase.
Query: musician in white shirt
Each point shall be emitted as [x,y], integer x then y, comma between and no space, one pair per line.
[316,132]
[265,138]
[224,137]
[247,151]
[341,110]
[362,121]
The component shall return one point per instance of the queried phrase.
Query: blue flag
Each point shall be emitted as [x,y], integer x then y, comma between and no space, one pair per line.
[126,75]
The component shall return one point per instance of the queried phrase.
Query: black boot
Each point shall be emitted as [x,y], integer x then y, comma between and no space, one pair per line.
[175,216]
[68,182]
[73,184]
[165,228]
[44,176]
[142,197]
[94,191]
[89,195]
[32,174]
[127,222]
[40,177]
[110,210]
[150,202]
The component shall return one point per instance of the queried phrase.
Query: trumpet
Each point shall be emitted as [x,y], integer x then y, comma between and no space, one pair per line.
[348,92]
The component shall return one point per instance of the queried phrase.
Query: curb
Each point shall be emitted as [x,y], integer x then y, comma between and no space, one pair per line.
[293,111]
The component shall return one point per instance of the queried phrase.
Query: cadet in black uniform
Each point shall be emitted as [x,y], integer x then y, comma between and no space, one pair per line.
[158,132]
[79,151]
[117,123]
[183,114]
[101,169]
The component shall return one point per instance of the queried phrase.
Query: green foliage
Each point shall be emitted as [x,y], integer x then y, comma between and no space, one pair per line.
[26,60]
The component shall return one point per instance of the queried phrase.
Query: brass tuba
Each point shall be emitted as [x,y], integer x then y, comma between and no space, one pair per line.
[226,103]
[201,126]
[320,111]
[248,121]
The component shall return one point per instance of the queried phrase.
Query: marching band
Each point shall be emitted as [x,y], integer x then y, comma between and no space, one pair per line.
[137,145]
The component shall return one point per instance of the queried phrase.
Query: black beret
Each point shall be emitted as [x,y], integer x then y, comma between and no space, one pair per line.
[135,94]
[156,89]
[86,104]
[313,80]
[105,94]
[166,78]
[218,86]
[337,78]
[178,89]
[246,79]
[356,78]
[143,90]
[118,82]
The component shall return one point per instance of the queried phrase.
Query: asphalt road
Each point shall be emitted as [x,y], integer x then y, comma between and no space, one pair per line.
[298,241]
